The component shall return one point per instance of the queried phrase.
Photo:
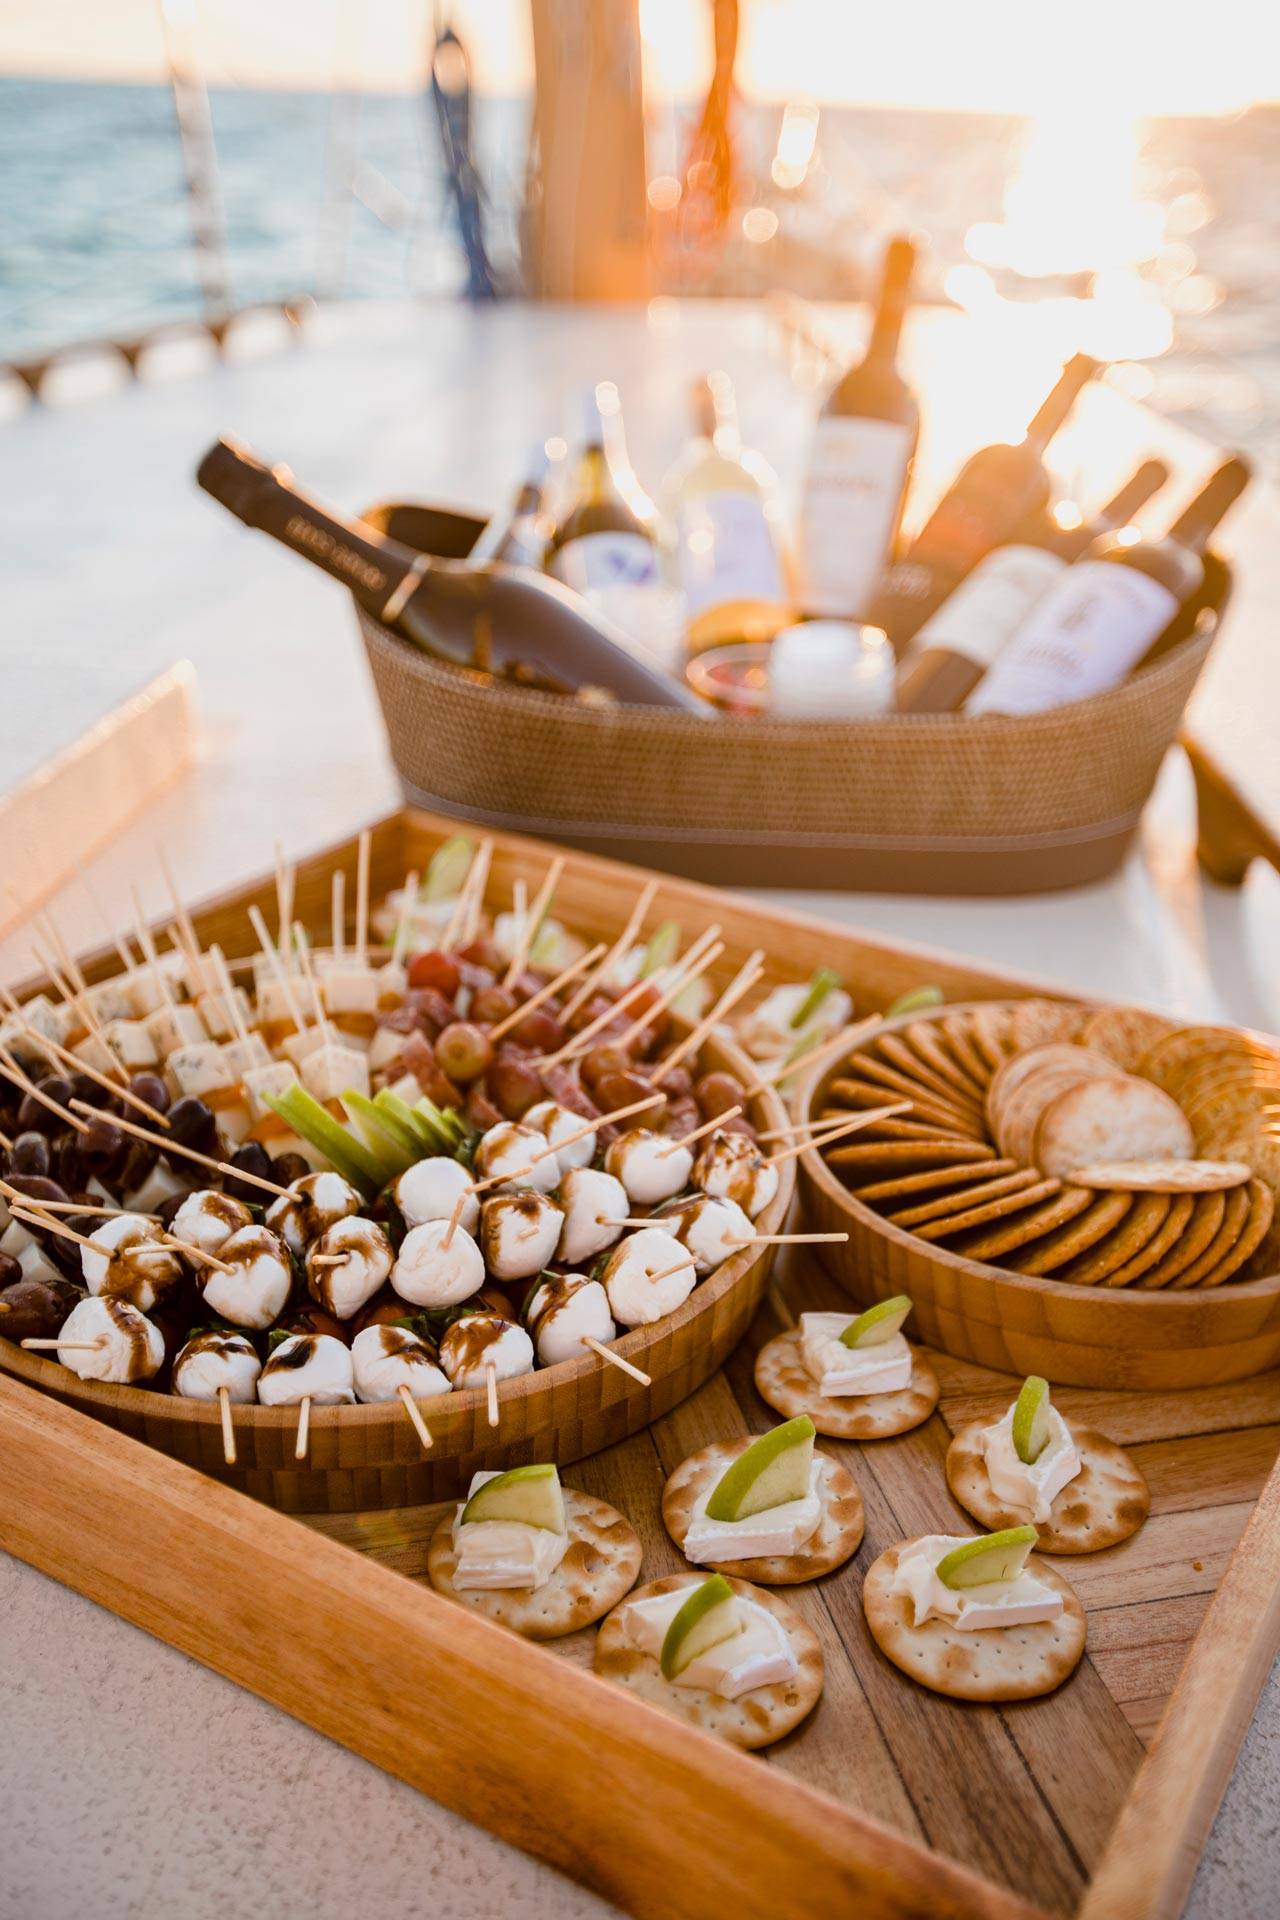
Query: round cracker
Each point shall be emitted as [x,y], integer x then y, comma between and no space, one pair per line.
[959,1030]
[1125,1034]
[1164,1176]
[1136,1230]
[1200,1231]
[1176,1221]
[895,1084]
[1106,1502]
[990,1030]
[837,1539]
[933,1180]
[1252,1235]
[860,1095]
[900,1154]
[1101,1217]
[1234,1220]
[1027,1065]
[1040,1022]
[599,1568]
[978,1195]
[990,1242]
[754,1719]
[785,1384]
[902,1128]
[1183,1047]
[1110,1120]
[990,1210]
[1020,1112]
[933,1048]
[899,1053]
[1261,1149]
[996,1663]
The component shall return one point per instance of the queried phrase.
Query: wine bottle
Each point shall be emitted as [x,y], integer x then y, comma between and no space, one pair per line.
[994,492]
[722,500]
[1108,614]
[607,536]
[487,618]
[958,643]
[864,442]
[517,535]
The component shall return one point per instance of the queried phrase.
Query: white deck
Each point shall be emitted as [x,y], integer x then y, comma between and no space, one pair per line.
[134,1781]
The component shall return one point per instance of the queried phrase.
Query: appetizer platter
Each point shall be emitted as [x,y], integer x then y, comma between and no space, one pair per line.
[841,1576]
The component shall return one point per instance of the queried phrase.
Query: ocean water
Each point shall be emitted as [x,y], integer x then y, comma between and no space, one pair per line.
[346,197]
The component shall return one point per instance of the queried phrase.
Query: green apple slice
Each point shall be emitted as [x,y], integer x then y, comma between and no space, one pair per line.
[990,1558]
[663,946]
[317,1126]
[916,1000]
[1031,1429]
[449,866]
[530,1494]
[708,1616]
[878,1323]
[774,1469]
[381,1131]
[819,987]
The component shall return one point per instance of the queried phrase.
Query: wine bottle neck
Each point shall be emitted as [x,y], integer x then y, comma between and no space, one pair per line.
[1057,406]
[1134,494]
[891,308]
[1200,517]
[372,568]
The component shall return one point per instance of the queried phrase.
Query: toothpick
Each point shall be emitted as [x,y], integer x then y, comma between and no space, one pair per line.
[407,898]
[795,1127]
[10,1069]
[793,1240]
[312,984]
[475,903]
[198,1253]
[491,1391]
[189,1153]
[848,1040]
[180,914]
[304,1427]
[685,975]
[65,1346]
[552,987]
[362,897]
[621,945]
[66,990]
[666,1273]
[95,901]
[457,919]
[581,1041]
[74,1206]
[411,1407]
[228,1431]
[738,988]
[70,966]
[337,912]
[853,1125]
[328,1259]
[30,1216]
[708,1126]
[616,1360]
[286,881]
[142,933]
[276,965]
[78,1065]
[230,1002]
[532,919]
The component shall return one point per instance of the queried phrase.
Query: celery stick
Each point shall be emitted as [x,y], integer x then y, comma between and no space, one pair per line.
[916,1001]
[664,944]
[394,1145]
[317,1126]
[819,987]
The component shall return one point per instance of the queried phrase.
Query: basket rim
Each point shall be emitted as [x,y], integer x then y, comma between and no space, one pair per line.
[635,1344]
[1121,1299]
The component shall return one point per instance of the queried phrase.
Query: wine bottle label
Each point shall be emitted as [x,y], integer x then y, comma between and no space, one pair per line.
[600,562]
[1085,635]
[849,514]
[726,552]
[986,610]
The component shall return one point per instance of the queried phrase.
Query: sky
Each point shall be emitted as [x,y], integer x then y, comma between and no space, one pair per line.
[1018,56]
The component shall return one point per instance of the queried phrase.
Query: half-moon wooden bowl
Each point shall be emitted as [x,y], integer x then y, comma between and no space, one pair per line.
[370,1456]
[1072,1335]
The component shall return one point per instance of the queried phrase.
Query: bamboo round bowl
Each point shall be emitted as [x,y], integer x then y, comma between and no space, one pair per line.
[1072,1335]
[370,1456]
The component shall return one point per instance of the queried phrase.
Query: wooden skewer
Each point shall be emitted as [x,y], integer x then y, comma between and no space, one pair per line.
[78,1065]
[459,927]
[848,1039]
[70,965]
[64,1346]
[545,993]
[189,1153]
[286,881]
[793,1239]
[185,923]
[687,973]
[10,1069]
[277,966]
[228,1431]
[853,1125]
[644,900]
[337,911]
[491,1392]
[66,990]
[411,1407]
[303,946]
[329,1259]
[408,895]
[453,925]
[708,1126]
[666,1273]
[738,988]
[59,1228]
[581,1041]
[616,1359]
[796,1127]
[149,954]
[230,1004]
[95,901]
[198,1253]
[74,1207]
[475,900]
[532,920]
[304,1427]
[362,897]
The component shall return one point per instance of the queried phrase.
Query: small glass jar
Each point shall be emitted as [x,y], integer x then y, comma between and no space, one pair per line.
[819,670]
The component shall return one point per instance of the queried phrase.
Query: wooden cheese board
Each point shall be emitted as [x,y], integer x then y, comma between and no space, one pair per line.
[888,1800]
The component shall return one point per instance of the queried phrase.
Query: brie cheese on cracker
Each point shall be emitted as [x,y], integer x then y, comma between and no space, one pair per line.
[773,1530]
[758,1655]
[495,1554]
[1030,1487]
[997,1603]
[842,1371]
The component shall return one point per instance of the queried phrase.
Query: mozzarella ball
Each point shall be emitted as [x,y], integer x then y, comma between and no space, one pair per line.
[589,1199]
[511,1149]
[253,1294]
[432,1275]
[563,1311]
[710,1229]
[649,1166]
[385,1359]
[479,1341]
[556,1123]
[342,1287]
[129,1261]
[732,1167]
[431,1190]
[307,1366]
[316,1202]
[519,1233]
[213,1360]
[207,1217]
[130,1347]
[635,1297]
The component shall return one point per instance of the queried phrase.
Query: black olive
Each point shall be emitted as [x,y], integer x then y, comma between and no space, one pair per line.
[35,1117]
[33,1308]
[138,1162]
[92,1094]
[254,1158]
[192,1124]
[151,1088]
[29,1154]
[288,1167]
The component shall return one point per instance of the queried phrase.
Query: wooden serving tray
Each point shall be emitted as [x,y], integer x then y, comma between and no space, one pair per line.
[889,1801]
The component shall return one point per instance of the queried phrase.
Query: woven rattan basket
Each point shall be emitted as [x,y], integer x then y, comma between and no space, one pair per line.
[905,803]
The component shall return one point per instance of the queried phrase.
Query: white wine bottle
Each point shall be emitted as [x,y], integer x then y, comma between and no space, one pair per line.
[864,442]
[722,500]
[1108,614]
[517,535]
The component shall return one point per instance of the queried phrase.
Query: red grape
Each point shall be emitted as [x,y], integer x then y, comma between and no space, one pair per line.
[435,969]
[464,1051]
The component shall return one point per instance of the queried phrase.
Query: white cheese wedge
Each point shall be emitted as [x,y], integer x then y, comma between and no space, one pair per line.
[783,1529]
[842,1372]
[1000,1603]
[759,1655]
[277,998]
[110,1000]
[132,1043]
[242,1056]
[349,989]
[216,1012]
[176,1026]
[260,1081]
[497,1554]
[1030,1489]
[333,1069]
[200,1069]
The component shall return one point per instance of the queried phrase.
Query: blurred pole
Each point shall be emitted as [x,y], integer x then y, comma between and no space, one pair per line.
[341,154]
[199,156]
[586,224]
